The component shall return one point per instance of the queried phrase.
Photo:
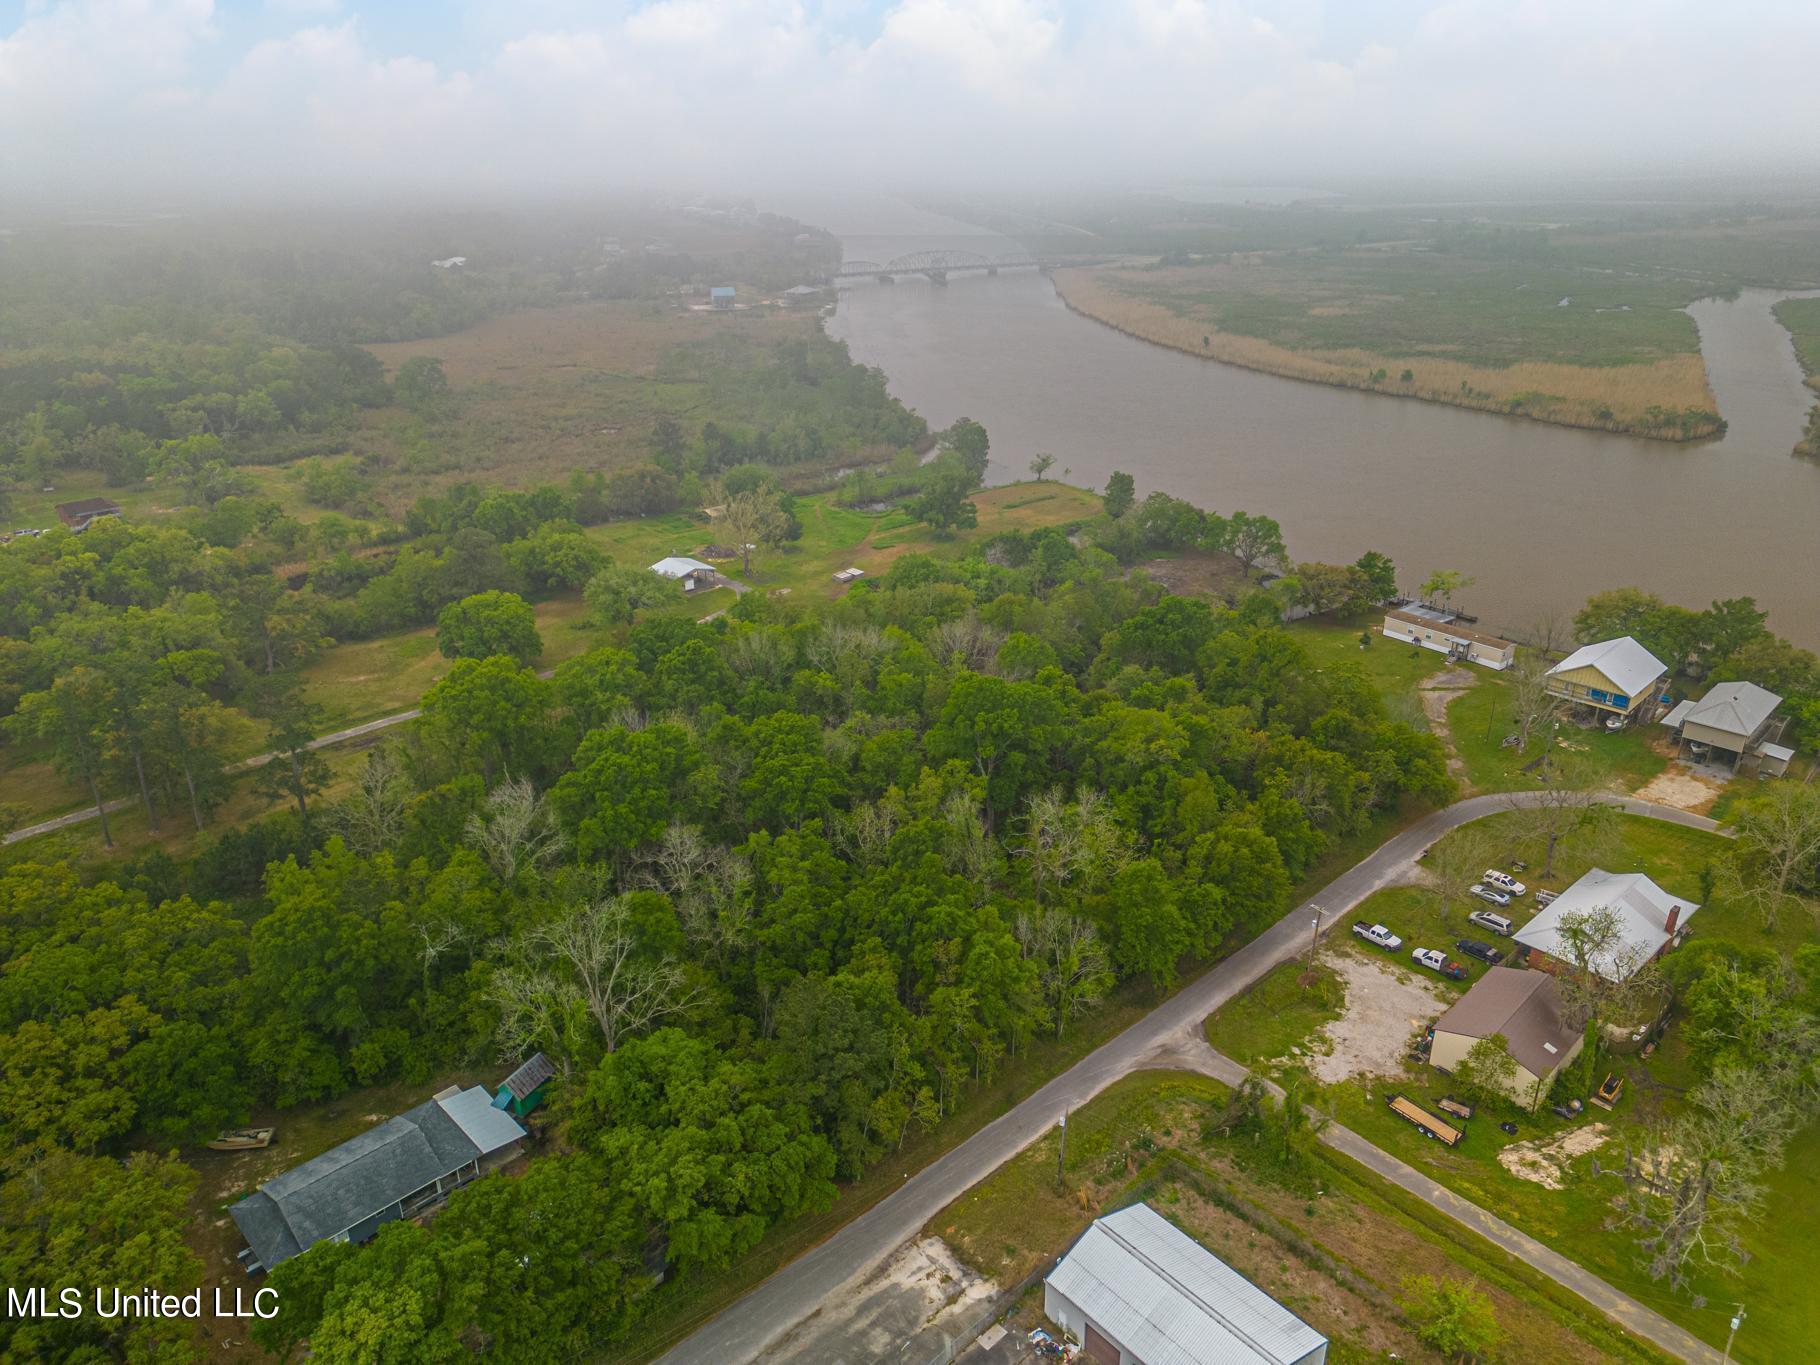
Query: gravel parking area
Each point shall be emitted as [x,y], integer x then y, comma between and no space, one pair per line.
[1383,1006]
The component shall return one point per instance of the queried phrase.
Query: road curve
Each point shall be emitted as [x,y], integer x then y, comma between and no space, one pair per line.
[1161,1038]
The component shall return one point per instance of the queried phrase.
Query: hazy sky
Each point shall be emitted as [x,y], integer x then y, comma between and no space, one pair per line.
[752,95]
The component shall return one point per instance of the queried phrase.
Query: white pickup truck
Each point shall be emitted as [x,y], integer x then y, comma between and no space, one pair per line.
[1377,935]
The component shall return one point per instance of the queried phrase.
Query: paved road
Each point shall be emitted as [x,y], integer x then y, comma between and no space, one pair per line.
[1169,1036]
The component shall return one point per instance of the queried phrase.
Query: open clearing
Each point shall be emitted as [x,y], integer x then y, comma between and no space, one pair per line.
[1383,1007]
[899,1312]
[1676,786]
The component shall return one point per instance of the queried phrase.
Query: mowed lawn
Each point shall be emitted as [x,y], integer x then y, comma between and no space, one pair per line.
[836,537]
[1482,718]
[1275,1015]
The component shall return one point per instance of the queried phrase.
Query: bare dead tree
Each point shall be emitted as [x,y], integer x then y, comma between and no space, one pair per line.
[1073,971]
[371,817]
[439,936]
[1074,843]
[1697,1183]
[971,639]
[1455,863]
[1533,710]
[969,850]
[589,960]
[1779,839]
[515,831]
[708,884]
[1564,810]
[1611,978]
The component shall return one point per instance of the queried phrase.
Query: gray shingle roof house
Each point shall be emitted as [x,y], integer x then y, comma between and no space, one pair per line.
[1136,1290]
[392,1171]
[1737,718]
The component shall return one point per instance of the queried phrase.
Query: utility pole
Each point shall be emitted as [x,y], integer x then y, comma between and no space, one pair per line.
[1314,936]
[1737,1322]
[1061,1155]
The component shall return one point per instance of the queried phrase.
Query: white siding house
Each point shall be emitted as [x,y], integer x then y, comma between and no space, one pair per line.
[1445,633]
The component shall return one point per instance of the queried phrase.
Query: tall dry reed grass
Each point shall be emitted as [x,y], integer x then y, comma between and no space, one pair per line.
[1607,398]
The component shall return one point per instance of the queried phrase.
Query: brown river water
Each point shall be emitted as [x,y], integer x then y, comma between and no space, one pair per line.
[1541,516]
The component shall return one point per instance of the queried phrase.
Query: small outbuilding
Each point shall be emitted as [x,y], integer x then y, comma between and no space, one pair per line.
[692,573]
[1734,722]
[85,512]
[1137,1290]
[1525,1009]
[1447,633]
[722,296]
[1617,678]
[523,1090]
[1646,921]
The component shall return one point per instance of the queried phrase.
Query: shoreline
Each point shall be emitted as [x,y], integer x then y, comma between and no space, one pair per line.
[1490,406]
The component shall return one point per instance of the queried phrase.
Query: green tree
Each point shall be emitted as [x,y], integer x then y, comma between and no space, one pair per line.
[617,593]
[1380,575]
[943,503]
[296,771]
[1442,584]
[1453,1316]
[421,385]
[967,443]
[1005,731]
[98,1221]
[1488,1072]
[701,1147]
[1121,492]
[72,716]
[488,713]
[486,624]
[1041,465]
[625,788]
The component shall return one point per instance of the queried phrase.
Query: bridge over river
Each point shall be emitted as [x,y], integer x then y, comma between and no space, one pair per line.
[939,265]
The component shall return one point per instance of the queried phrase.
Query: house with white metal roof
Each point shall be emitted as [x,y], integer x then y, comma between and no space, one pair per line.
[1735,720]
[1617,677]
[1136,1290]
[692,572]
[1648,920]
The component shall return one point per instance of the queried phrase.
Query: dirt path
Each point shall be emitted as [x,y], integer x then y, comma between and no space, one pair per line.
[1676,786]
[1436,692]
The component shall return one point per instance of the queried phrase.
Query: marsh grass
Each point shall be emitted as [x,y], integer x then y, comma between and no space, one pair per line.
[1645,396]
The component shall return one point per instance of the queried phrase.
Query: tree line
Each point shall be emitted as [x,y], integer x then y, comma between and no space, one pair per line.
[775,892]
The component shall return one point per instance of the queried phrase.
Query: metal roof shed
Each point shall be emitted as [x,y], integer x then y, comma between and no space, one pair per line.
[1137,1291]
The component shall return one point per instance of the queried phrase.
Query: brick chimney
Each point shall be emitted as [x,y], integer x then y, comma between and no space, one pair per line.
[1674,915]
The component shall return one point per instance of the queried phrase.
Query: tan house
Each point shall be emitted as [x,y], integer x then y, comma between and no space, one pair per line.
[1618,678]
[1445,633]
[1525,1007]
[1733,722]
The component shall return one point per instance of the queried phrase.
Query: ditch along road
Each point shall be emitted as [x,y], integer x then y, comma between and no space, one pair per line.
[1169,1037]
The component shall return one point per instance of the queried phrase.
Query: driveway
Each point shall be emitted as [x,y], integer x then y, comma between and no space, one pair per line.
[1169,1036]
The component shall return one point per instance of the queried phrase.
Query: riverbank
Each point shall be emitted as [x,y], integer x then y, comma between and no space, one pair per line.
[1802,319]
[1667,399]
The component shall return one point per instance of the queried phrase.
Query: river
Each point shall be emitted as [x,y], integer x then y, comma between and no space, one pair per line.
[1540,516]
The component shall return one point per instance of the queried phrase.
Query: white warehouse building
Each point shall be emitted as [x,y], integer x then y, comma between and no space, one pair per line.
[1136,1290]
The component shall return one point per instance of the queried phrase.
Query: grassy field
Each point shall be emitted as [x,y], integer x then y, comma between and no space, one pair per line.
[1281,1012]
[1336,1259]
[1480,720]
[836,537]
[1273,1016]
[1492,334]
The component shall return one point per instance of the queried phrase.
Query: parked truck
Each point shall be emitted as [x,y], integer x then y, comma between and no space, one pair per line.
[1378,936]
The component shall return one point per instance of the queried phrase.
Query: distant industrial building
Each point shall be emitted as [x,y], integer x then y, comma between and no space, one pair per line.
[1136,1290]
[722,296]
